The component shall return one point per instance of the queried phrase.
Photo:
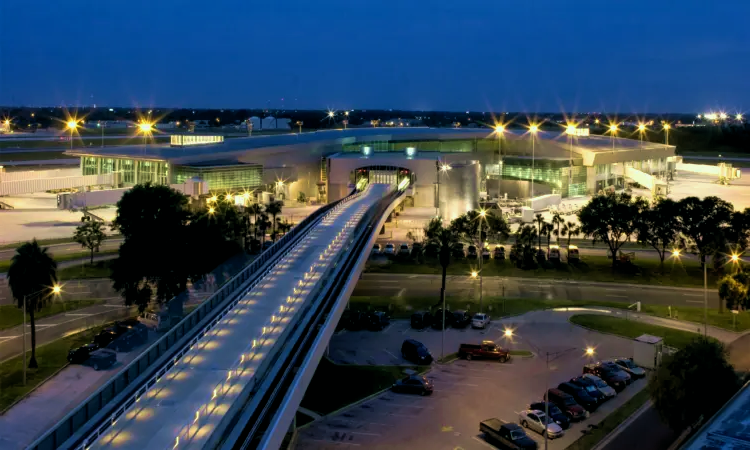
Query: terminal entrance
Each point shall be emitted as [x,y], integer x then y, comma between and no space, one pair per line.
[392,175]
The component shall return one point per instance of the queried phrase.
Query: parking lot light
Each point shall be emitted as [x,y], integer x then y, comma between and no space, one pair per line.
[508,333]
[676,253]
[474,274]
[590,351]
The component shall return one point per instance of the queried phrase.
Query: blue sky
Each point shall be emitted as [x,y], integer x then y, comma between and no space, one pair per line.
[541,55]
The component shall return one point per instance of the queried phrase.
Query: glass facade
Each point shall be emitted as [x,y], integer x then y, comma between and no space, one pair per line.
[555,173]
[131,171]
[222,178]
[449,146]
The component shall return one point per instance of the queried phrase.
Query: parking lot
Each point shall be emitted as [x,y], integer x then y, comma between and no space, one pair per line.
[466,392]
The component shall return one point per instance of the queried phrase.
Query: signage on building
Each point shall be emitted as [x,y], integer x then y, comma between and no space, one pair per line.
[578,132]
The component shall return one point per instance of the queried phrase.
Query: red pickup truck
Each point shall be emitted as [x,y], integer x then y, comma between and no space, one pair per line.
[485,350]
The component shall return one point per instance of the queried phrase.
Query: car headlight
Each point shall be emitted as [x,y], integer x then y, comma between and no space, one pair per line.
[558,422]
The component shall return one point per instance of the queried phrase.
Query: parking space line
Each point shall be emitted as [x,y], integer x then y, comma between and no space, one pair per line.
[335,442]
[394,356]
[483,442]
[387,328]
[363,434]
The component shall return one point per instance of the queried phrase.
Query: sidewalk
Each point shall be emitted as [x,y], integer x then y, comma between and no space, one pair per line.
[724,336]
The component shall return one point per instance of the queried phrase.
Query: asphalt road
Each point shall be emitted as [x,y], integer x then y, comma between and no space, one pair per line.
[51,328]
[649,424]
[65,249]
[97,288]
[409,285]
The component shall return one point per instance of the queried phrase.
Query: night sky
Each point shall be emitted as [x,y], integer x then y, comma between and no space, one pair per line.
[540,55]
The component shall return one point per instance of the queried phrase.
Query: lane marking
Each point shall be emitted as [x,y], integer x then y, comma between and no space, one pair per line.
[692,295]
[618,296]
[394,356]
[78,314]
[335,442]
[694,301]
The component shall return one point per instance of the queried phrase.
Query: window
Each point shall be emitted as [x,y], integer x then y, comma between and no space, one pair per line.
[533,417]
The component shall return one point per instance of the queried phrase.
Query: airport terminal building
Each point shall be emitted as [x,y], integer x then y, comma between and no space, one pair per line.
[325,165]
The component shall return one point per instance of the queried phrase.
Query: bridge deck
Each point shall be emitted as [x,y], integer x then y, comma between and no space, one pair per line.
[183,408]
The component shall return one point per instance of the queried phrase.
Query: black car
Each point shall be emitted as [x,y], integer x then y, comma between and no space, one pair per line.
[105,337]
[127,342]
[590,388]
[421,319]
[437,319]
[471,253]
[457,251]
[81,354]
[413,384]
[431,250]
[554,413]
[354,320]
[567,404]
[415,352]
[377,320]
[610,373]
[580,395]
[499,253]
[461,319]
[101,359]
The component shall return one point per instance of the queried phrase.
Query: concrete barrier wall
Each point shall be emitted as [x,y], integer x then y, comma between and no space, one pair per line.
[39,174]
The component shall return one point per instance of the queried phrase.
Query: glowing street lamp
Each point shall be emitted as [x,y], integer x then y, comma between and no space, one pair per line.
[641,132]
[508,333]
[211,210]
[613,132]
[71,125]
[590,351]
[474,274]
[533,129]
[738,117]
[676,253]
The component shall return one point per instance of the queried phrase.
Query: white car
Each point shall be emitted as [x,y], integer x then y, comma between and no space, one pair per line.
[376,250]
[601,385]
[480,320]
[404,250]
[390,249]
[536,420]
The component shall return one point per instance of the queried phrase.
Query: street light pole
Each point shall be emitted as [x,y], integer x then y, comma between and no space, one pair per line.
[533,129]
[705,299]
[546,401]
[24,340]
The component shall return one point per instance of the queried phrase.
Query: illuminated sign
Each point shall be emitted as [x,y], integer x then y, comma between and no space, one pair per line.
[577,131]
[181,140]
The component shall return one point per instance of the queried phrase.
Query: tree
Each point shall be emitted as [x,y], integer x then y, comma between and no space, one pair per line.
[704,223]
[156,257]
[557,222]
[570,229]
[468,226]
[444,238]
[548,229]
[262,224]
[734,290]
[678,387]
[611,218]
[739,230]
[659,226]
[255,209]
[31,276]
[540,227]
[90,234]
[301,197]
[274,209]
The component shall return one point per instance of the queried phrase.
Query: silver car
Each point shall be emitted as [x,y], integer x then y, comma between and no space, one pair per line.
[603,387]
[536,420]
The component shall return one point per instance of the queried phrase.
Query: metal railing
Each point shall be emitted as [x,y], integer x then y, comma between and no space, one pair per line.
[103,407]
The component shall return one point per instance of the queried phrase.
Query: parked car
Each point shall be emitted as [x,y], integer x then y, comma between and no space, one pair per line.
[629,366]
[580,395]
[81,354]
[480,320]
[610,373]
[127,342]
[421,320]
[377,320]
[567,404]
[413,384]
[416,249]
[437,319]
[486,254]
[376,250]
[499,253]
[457,251]
[554,253]
[506,435]
[461,319]
[471,253]
[431,250]
[601,385]
[390,249]
[404,250]
[573,254]
[485,350]
[553,412]
[416,352]
[590,388]
[105,337]
[101,359]
[536,420]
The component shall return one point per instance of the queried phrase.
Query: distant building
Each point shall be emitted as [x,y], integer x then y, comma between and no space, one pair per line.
[270,123]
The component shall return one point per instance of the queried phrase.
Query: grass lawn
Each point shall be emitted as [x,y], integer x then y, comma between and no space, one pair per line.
[725,319]
[5,264]
[11,316]
[51,358]
[325,394]
[610,422]
[100,269]
[632,329]
[591,268]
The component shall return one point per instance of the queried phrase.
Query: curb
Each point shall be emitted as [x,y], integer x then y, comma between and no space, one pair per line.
[40,384]
[619,429]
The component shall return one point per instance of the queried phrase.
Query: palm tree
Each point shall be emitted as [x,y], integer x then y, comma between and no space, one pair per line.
[255,209]
[274,209]
[263,225]
[31,276]
[570,229]
[557,221]
[540,226]
[548,229]
[444,238]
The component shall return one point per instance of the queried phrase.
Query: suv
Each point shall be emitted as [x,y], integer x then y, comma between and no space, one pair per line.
[376,249]
[506,435]
[421,320]
[590,387]
[567,404]
[610,373]
[390,249]
[580,394]
[415,352]
[485,350]
[461,319]
[603,387]
[377,320]
[81,354]
[554,413]
[499,253]
[413,384]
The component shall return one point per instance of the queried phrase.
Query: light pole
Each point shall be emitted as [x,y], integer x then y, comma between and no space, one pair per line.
[666,145]
[641,131]
[299,124]
[533,130]
[442,168]
[570,131]
[71,124]
[482,218]
[145,128]
[56,291]
[101,125]
[613,130]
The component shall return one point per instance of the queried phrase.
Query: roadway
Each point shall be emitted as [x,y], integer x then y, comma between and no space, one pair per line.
[64,249]
[192,398]
[412,285]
